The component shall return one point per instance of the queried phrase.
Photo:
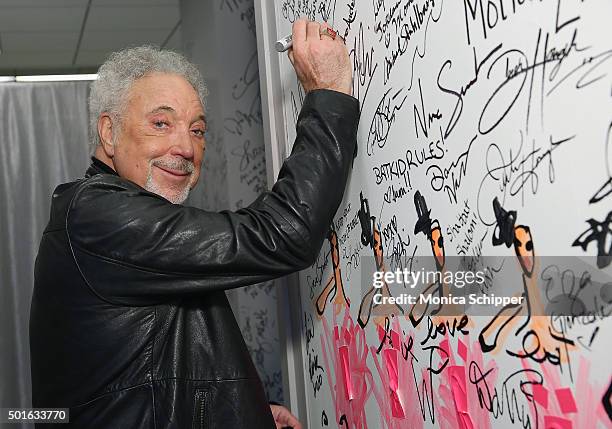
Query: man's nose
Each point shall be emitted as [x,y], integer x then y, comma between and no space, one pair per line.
[182,145]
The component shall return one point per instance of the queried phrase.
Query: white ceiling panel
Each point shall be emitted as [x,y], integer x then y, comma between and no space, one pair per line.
[113,40]
[91,58]
[39,41]
[41,3]
[44,35]
[131,18]
[146,3]
[31,60]
[41,19]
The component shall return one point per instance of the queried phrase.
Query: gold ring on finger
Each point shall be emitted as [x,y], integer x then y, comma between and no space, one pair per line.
[327,31]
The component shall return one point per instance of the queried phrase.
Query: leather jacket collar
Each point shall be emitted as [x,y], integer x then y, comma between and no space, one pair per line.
[99,167]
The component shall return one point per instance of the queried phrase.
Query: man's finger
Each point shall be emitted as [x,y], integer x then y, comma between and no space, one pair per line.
[299,30]
[312,31]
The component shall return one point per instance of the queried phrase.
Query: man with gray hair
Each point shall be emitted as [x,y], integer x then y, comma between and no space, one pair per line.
[130,326]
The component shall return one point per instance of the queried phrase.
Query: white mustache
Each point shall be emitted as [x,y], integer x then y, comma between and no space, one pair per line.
[182,164]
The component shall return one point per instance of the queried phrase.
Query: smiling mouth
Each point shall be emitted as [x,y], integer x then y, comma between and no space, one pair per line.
[172,172]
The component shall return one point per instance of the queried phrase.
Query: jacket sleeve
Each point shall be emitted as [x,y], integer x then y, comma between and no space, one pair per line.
[135,247]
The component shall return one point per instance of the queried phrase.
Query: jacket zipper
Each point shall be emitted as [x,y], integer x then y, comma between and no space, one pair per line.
[201,399]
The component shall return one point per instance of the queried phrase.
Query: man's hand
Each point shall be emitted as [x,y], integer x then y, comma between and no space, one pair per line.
[319,60]
[284,418]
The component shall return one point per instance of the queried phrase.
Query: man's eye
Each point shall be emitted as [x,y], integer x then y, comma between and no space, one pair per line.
[160,124]
[198,132]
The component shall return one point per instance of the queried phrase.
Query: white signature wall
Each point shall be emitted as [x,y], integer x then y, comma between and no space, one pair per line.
[485,130]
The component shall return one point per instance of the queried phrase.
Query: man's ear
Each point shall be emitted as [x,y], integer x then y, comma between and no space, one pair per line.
[105,132]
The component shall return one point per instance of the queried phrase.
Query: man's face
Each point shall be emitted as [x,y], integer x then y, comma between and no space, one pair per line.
[161,140]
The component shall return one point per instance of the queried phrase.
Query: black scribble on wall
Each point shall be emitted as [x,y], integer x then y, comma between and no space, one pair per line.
[423,223]
[601,233]
[366,221]
[504,228]
[512,398]
[432,230]
[605,189]
[607,398]
[324,419]
[370,236]
[508,234]
[364,66]
[385,116]
[423,118]
[450,178]
[459,94]
[603,192]
[405,29]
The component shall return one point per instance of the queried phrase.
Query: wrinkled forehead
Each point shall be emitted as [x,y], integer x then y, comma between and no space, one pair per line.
[155,90]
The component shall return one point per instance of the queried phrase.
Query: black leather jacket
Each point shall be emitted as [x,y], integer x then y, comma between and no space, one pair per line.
[130,326]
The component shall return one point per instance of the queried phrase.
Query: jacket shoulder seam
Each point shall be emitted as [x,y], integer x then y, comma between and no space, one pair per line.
[70,245]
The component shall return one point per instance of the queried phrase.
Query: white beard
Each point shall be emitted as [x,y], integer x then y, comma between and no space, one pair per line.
[173,194]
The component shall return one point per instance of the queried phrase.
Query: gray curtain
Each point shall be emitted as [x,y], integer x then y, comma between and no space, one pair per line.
[43,142]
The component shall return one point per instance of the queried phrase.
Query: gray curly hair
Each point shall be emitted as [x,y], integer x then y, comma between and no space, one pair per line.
[118,73]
